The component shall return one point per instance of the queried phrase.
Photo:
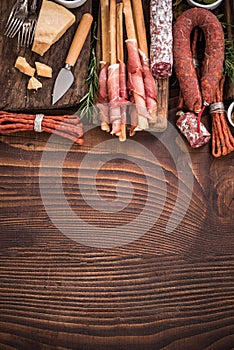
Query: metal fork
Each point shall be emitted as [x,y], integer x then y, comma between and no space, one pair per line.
[16,19]
[26,34]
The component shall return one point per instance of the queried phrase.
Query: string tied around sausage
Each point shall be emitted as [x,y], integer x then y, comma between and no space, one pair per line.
[68,126]
[217,107]
[38,122]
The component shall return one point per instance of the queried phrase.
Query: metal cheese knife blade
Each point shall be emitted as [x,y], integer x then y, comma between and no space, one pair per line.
[65,77]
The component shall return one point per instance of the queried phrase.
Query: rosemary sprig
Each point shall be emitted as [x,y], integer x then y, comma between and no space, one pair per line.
[229,60]
[87,106]
[228,67]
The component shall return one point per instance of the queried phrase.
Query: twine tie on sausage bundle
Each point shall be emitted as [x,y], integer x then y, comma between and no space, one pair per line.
[217,107]
[37,122]
[68,126]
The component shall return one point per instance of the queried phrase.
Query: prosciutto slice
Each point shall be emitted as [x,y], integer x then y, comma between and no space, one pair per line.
[114,98]
[136,83]
[102,102]
[150,87]
[123,93]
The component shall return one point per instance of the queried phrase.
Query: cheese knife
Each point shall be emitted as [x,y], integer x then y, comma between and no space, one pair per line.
[65,77]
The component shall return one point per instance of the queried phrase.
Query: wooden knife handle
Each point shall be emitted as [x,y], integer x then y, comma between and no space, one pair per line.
[79,38]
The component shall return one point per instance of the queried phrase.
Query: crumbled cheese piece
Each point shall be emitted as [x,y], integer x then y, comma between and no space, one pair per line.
[34,84]
[53,21]
[24,66]
[43,70]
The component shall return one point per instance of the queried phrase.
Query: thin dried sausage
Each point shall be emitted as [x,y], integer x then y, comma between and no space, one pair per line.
[195,93]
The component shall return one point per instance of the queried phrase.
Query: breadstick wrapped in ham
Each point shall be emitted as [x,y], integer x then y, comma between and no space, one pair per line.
[103,99]
[161,55]
[102,102]
[148,79]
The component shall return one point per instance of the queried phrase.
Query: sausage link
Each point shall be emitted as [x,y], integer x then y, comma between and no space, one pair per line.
[195,94]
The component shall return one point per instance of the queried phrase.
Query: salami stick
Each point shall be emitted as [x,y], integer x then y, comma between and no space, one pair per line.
[222,139]
[161,38]
[68,126]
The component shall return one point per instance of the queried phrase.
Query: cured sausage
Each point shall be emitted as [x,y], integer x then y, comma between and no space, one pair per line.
[196,93]
[68,126]
[161,38]
[187,124]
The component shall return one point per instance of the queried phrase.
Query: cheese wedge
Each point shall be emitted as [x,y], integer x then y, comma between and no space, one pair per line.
[24,66]
[53,21]
[43,70]
[34,84]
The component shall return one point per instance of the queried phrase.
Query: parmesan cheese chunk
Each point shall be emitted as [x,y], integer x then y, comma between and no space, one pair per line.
[53,21]
[34,84]
[43,70]
[24,66]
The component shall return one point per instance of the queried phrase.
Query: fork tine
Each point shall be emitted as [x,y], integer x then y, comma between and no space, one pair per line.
[16,18]
[11,25]
[27,36]
[27,40]
[31,33]
[16,28]
[10,17]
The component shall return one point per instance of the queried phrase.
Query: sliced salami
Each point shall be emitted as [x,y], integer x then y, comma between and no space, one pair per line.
[187,124]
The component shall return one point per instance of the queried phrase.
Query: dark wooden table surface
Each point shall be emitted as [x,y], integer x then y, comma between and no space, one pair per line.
[142,258]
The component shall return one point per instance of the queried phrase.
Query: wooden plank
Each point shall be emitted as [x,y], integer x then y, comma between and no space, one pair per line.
[14,93]
[162,106]
[160,291]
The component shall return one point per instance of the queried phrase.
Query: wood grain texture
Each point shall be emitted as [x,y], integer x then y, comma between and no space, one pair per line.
[161,290]
[14,93]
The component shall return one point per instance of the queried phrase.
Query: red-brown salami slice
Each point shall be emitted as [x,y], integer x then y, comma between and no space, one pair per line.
[187,124]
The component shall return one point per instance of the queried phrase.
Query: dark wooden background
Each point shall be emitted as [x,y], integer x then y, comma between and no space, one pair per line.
[171,291]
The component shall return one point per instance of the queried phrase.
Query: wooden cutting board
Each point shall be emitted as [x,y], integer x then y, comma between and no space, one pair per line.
[14,94]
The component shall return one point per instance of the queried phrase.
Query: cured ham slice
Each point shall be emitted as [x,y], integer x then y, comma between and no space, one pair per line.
[123,93]
[136,83]
[149,81]
[150,87]
[114,98]
[102,102]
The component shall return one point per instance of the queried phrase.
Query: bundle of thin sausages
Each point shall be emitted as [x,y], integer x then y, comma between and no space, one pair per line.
[68,126]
